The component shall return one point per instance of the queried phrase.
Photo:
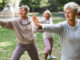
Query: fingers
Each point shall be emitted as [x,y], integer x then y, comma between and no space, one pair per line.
[35,19]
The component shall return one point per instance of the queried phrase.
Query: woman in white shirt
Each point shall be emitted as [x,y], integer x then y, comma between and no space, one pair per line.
[47,36]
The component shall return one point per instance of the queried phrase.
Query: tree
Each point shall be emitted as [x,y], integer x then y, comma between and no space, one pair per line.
[61,3]
[31,3]
[2,4]
[53,5]
[44,3]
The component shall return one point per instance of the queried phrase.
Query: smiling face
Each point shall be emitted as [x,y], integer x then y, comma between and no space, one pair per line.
[47,15]
[70,15]
[22,12]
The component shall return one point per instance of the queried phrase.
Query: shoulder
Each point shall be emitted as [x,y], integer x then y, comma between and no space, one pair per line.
[62,23]
[78,20]
[16,19]
[29,17]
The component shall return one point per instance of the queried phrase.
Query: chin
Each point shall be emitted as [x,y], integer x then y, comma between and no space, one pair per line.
[69,20]
[21,16]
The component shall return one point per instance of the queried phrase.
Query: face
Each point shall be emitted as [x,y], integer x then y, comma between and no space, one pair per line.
[22,12]
[70,15]
[47,15]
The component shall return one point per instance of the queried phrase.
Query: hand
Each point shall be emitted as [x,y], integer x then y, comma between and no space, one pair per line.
[35,20]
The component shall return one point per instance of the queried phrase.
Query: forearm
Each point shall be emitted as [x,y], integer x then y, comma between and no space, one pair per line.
[47,27]
[50,28]
[6,23]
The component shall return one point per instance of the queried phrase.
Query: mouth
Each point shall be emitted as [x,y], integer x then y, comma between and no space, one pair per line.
[67,17]
[20,14]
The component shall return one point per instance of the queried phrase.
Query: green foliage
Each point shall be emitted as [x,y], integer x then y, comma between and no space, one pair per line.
[41,5]
[44,3]
[0,1]
[3,3]
[61,3]
[53,5]
[30,3]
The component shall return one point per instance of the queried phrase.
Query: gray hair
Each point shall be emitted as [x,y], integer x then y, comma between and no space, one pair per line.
[47,11]
[72,5]
[26,8]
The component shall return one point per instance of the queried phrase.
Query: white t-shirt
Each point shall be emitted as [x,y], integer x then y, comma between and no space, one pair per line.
[69,38]
[44,21]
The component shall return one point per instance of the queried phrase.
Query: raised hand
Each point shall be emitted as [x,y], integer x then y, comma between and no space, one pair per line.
[35,20]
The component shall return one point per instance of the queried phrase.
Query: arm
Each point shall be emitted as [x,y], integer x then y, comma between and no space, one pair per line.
[57,28]
[49,27]
[6,23]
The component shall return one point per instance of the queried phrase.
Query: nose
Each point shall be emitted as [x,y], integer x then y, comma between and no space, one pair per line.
[66,14]
[20,12]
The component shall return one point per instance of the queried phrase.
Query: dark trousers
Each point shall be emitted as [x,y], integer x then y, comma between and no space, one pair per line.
[30,48]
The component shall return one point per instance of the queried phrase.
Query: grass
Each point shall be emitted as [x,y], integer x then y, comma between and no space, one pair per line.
[8,43]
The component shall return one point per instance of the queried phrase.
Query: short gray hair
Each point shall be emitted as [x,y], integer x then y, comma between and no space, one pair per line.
[47,11]
[72,5]
[26,8]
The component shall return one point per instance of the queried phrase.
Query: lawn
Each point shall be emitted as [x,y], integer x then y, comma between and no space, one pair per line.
[8,43]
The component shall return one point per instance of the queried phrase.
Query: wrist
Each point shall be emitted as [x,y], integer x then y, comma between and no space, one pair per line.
[39,26]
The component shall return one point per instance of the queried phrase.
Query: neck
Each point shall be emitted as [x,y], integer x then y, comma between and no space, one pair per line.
[23,17]
[47,18]
[72,23]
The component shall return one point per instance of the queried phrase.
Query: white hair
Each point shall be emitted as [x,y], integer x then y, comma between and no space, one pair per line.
[47,11]
[72,5]
[26,8]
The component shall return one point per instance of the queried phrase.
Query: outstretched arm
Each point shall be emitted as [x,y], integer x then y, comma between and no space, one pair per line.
[48,27]
[6,23]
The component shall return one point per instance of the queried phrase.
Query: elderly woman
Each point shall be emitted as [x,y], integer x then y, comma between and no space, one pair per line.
[69,32]
[24,29]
